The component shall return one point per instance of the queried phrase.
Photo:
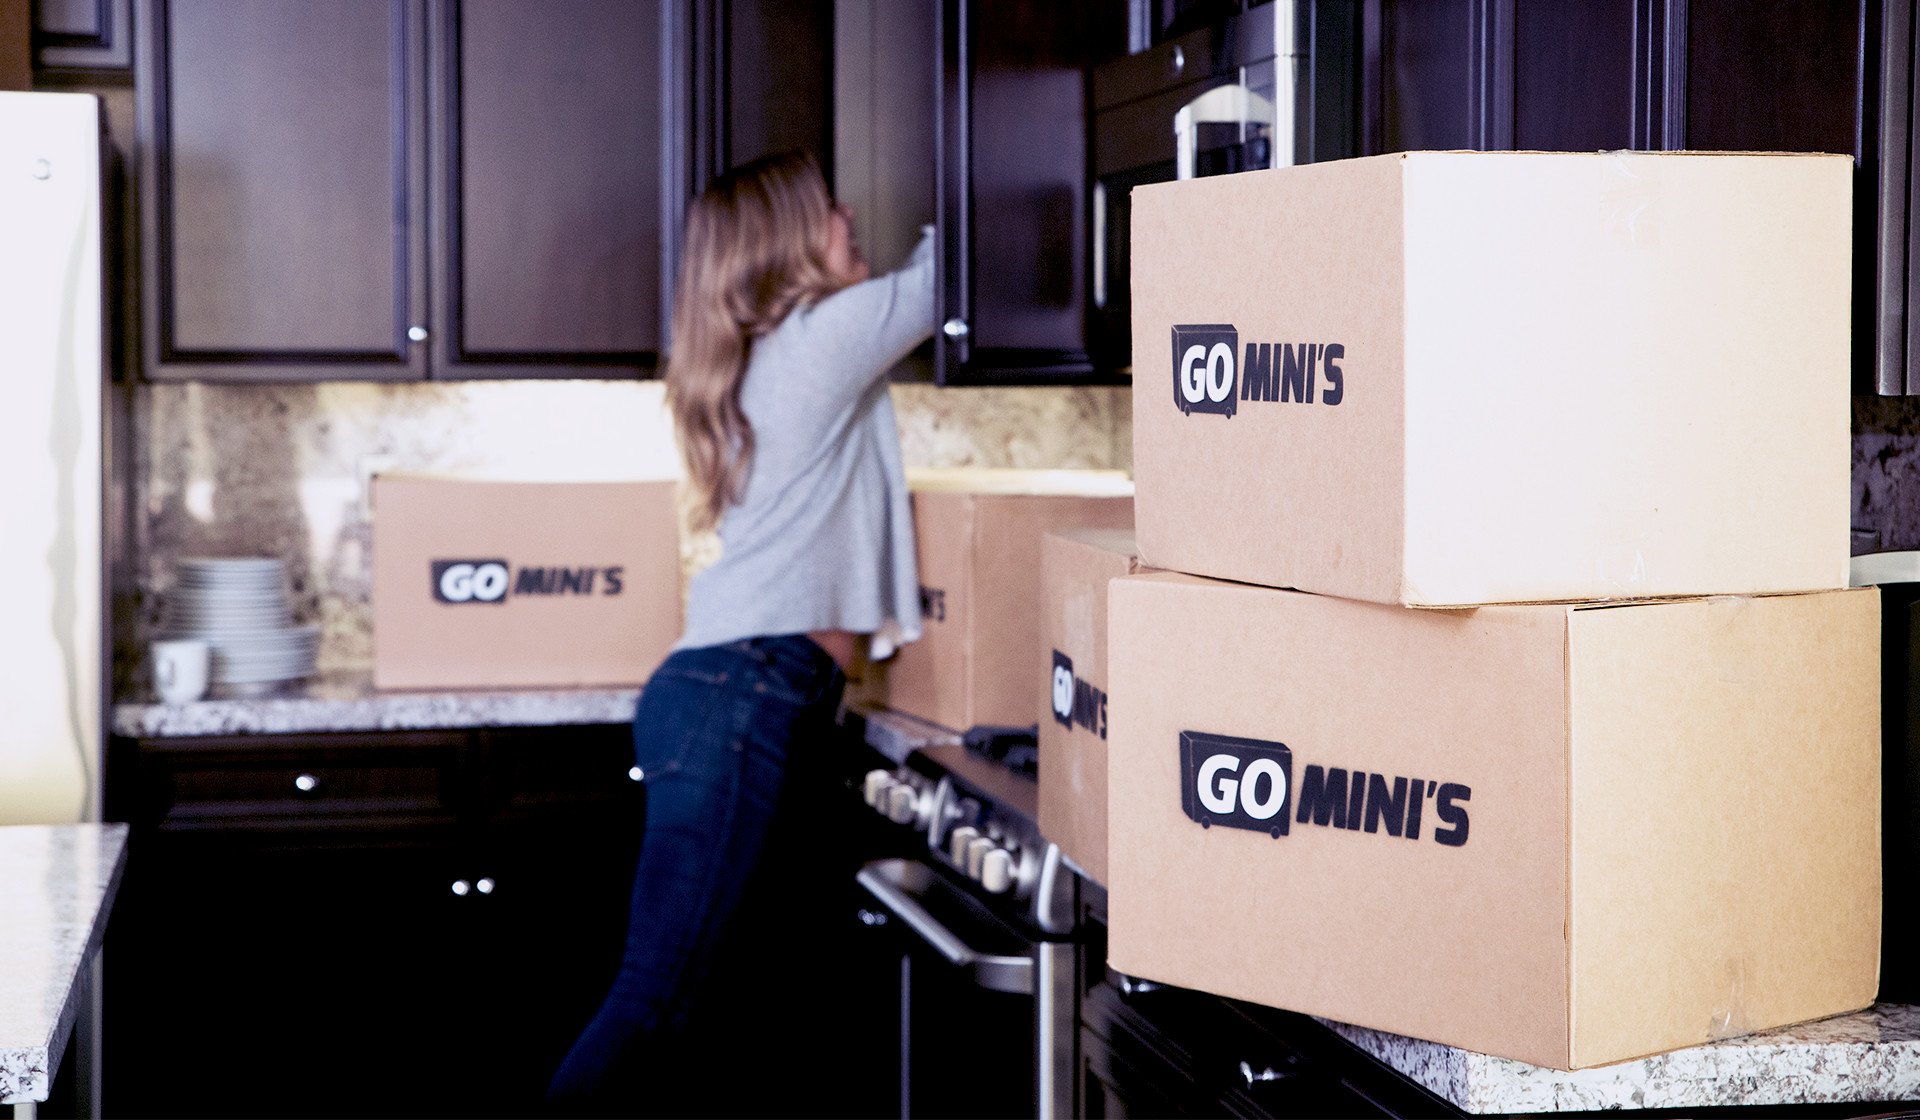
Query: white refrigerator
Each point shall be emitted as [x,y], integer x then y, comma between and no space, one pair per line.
[52,586]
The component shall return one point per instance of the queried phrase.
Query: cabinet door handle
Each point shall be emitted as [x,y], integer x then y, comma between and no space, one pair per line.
[484,886]
[461,887]
[306,783]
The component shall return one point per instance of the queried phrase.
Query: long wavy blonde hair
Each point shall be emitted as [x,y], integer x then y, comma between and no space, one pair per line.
[755,249]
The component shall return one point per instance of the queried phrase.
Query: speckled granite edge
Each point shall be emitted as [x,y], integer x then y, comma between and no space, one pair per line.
[72,911]
[398,711]
[23,1075]
[1871,1055]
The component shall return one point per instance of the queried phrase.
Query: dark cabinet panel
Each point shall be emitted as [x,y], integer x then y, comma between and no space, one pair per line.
[423,928]
[780,63]
[547,167]
[1573,75]
[1028,172]
[1425,94]
[883,142]
[1773,75]
[281,187]
[93,35]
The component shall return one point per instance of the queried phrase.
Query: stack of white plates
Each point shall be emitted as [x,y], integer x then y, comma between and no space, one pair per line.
[238,606]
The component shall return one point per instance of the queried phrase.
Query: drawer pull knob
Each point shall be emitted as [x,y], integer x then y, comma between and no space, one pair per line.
[461,887]
[484,886]
[636,775]
[306,783]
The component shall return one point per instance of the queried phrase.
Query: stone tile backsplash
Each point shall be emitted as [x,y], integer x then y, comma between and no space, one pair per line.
[1886,474]
[281,470]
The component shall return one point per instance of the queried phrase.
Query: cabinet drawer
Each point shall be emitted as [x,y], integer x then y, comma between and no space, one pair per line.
[310,782]
[579,775]
[307,789]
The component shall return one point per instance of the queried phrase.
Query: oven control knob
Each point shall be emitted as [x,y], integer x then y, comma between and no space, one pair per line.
[957,844]
[876,787]
[977,855]
[901,807]
[996,871]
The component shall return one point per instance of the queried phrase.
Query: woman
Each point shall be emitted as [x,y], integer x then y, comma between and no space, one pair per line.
[777,383]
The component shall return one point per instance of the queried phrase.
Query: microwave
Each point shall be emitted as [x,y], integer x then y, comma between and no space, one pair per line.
[1275,86]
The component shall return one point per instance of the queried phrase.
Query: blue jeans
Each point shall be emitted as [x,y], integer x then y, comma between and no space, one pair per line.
[712,734]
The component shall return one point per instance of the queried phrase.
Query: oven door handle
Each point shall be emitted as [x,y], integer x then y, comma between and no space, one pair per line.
[989,970]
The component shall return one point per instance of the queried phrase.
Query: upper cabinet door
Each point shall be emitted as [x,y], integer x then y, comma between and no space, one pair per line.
[1011,128]
[546,167]
[282,187]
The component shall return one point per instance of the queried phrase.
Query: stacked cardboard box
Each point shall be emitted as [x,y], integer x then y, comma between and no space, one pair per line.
[484,584]
[1539,720]
[1075,568]
[977,534]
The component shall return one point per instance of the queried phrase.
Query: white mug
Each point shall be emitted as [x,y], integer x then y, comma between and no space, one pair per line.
[180,669]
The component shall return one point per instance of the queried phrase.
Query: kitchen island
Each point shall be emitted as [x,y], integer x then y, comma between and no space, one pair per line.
[57,884]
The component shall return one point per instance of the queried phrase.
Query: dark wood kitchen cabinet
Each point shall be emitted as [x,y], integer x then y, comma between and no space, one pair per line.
[408,923]
[404,189]
[1594,75]
[1703,75]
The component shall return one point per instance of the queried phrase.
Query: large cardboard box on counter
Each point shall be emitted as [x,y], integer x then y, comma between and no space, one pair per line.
[482,584]
[977,534]
[1075,567]
[1566,834]
[1450,378]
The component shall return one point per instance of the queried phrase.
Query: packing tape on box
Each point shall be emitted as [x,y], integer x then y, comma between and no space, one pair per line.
[1629,202]
[1732,659]
[1731,1019]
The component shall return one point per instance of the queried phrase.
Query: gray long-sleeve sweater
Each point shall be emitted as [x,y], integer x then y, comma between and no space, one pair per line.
[822,537]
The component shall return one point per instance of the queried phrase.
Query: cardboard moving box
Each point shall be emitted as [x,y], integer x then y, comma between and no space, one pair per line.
[1565,834]
[978,534]
[505,584]
[1450,378]
[1075,567]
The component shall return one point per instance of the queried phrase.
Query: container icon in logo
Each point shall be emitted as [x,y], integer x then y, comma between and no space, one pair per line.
[469,581]
[1239,783]
[1061,689]
[1205,371]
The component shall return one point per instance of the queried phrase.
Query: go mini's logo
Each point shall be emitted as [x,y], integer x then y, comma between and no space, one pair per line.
[488,581]
[1249,783]
[470,581]
[1208,377]
[1076,701]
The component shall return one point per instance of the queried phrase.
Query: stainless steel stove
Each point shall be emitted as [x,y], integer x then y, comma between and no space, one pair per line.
[982,911]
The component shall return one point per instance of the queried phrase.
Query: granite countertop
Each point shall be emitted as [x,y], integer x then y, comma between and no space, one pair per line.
[349,702]
[1871,1055]
[56,885]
